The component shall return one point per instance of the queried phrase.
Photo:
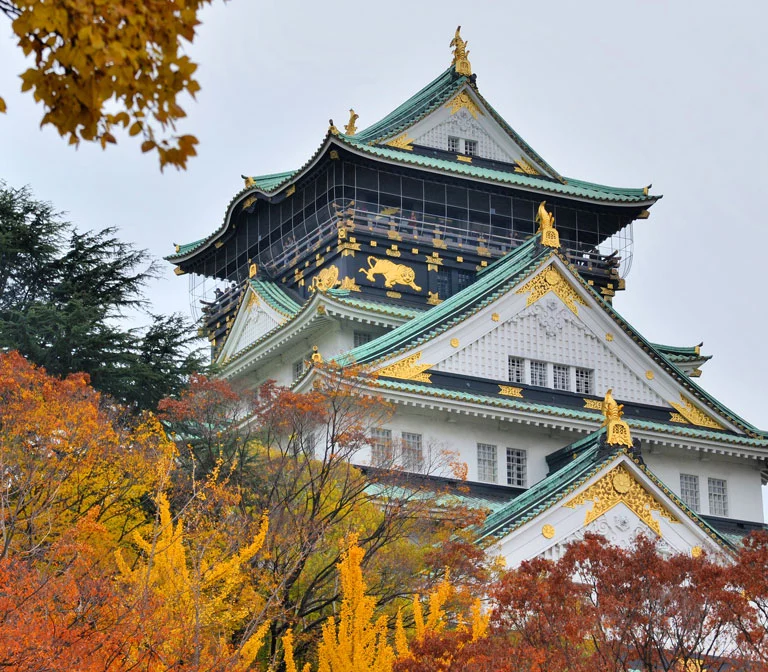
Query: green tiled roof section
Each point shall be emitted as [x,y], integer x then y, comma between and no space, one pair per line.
[188,247]
[275,296]
[417,106]
[376,306]
[576,188]
[472,297]
[469,499]
[681,354]
[684,379]
[574,413]
[273,180]
[546,492]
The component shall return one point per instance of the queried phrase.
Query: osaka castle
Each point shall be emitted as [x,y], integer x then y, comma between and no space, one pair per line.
[441,253]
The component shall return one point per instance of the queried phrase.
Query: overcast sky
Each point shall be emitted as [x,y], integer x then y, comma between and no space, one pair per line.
[620,93]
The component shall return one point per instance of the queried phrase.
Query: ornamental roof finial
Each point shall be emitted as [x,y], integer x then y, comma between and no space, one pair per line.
[618,430]
[546,221]
[332,128]
[460,54]
[350,128]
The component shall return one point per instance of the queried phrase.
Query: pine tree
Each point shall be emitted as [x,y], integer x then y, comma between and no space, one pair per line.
[63,299]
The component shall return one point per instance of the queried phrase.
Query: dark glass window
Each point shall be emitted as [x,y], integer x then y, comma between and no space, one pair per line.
[367,179]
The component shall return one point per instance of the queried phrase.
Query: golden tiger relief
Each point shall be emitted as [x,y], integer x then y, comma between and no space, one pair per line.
[394,274]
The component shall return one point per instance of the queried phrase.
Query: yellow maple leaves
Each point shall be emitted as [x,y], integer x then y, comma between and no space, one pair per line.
[107,65]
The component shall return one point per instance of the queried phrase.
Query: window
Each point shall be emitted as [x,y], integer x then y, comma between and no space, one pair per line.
[560,377]
[584,381]
[470,147]
[381,446]
[454,145]
[301,365]
[486,463]
[516,467]
[539,373]
[412,453]
[361,338]
[516,370]
[689,491]
[718,497]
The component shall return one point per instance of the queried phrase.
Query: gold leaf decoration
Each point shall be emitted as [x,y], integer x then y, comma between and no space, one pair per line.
[619,486]
[693,415]
[350,284]
[401,142]
[326,279]
[410,368]
[551,280]
[464,100]
[524,167]
[594,404]
[508,391]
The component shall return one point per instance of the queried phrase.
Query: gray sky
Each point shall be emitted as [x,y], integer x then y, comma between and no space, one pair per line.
[620,93]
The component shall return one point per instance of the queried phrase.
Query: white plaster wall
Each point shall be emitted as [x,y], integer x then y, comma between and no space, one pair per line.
[550,332]
[444,433]
[745,500]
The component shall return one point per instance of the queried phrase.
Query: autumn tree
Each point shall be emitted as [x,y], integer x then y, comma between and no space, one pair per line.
[103,67]
[293,455]
[63,297]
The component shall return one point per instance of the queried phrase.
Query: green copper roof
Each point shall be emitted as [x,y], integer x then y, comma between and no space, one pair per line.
[273,180]
[432,96]
[681,354]
[275,297]
[571,187]
[343,296]
[588,415]
[442,316]
[589,460]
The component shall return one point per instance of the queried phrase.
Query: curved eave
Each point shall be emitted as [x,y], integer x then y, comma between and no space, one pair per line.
[594,193]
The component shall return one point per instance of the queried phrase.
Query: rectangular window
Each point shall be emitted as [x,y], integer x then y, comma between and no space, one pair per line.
[718,497]
[539,373]
[381,446]
[453,145]
[516,370]
[560,377]
[689,491]
[584,381]
[361,338]
[300,366]
[412,451]
[516,467]
[470,147]
[486,463]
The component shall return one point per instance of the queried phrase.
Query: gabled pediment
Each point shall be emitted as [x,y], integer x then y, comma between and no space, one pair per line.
[255,318]
[466,118]
[561,337]
[617,497]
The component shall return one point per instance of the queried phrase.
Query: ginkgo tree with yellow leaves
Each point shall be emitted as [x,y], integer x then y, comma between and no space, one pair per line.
[106,65]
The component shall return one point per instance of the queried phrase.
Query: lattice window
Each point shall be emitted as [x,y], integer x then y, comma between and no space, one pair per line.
[560,377]
[718,497]
[539,373]
[584,378]
[689,491]
[454,144]
[381,446]
[361,338]
[470,147]
[412,451]
[516,467]
[516,370]
[301,365]
[486,463]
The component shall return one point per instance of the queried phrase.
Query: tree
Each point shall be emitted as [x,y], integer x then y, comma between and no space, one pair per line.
[64,299]
[293,454]
[110,65]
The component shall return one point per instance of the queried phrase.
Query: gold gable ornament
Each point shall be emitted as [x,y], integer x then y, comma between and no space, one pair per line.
[350,128]
[408,368]
[617,433]
[460,61]
[546,221]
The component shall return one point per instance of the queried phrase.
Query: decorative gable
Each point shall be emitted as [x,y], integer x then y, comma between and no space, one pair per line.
[548,331]
[465,119]
[620,501]
[254,319]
